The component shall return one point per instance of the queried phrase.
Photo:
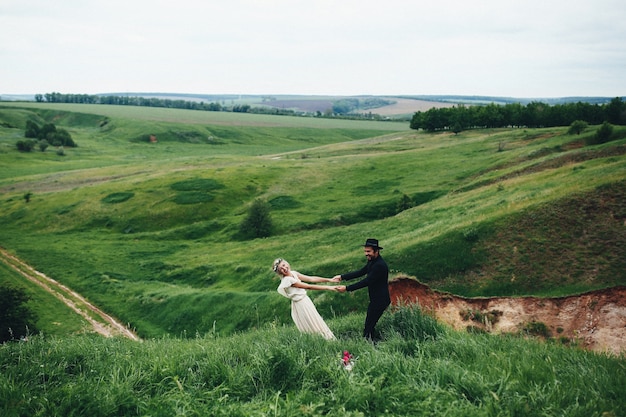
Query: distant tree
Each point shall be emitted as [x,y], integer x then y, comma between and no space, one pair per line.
[616,111]
[47,132]
[27,196]
[604,133]
[26,145]
[63,138]
[460,118]
[577,127]
[433,119]
[16,319]
[32,129]
[490,116]
[244,108]
[258,222]
[43,145]
[417,121]
[345,106]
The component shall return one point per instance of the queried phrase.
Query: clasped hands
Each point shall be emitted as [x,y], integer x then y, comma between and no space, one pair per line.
[338,288]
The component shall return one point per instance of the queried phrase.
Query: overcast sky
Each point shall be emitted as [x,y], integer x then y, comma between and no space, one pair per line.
[510,48]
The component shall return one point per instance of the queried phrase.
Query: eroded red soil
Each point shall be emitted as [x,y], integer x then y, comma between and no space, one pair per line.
[595,320]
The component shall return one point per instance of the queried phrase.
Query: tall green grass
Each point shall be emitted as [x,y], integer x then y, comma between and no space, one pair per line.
[419,368]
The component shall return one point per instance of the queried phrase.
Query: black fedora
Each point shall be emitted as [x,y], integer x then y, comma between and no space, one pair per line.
[372,243]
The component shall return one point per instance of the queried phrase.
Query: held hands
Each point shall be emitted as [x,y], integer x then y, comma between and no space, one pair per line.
[338,288]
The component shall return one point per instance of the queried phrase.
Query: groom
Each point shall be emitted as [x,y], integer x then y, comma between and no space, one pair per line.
[377,274]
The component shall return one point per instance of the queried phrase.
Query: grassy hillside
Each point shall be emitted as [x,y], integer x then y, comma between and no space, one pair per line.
[149,231]
[420,368]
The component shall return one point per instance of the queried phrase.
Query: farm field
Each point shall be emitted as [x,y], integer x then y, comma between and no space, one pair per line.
[160,114]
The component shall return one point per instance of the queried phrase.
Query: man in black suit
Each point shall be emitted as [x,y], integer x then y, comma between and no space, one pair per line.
[376,281]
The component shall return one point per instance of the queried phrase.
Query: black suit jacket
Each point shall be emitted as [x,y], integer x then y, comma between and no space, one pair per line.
[376,281]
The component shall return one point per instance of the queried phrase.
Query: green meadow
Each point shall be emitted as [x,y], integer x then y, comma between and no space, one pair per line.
[149,232]
[419,369]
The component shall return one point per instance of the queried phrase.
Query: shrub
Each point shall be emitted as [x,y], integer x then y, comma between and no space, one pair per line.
[536,328]
[43,145]
[49,133]
[603,134]
[404,203]
[61,137]
[258,222]
[16,319]
[32,129]
[26,145]
[577,127]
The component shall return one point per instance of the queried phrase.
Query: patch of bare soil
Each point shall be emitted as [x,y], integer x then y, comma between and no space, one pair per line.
[407,106]
[310,105]
[595,320]
[400,106]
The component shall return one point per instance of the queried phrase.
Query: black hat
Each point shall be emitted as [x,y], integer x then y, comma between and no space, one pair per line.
[373,243]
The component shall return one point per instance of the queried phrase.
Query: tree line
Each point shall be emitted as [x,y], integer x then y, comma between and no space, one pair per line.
[127,101]
[344,108]
[533,115]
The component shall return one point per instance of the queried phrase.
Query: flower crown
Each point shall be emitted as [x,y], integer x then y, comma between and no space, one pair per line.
[276,263]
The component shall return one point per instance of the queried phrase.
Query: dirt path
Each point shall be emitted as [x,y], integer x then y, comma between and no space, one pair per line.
[595,320]
[101,322]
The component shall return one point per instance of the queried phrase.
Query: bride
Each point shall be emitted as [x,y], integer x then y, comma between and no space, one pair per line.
[303,311]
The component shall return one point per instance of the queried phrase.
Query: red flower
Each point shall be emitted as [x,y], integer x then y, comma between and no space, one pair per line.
[347,357]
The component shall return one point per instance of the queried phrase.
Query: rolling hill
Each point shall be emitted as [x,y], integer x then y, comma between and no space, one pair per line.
[149,231]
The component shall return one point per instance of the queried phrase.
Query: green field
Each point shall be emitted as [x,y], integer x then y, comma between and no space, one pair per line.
[150,233]
[420,369]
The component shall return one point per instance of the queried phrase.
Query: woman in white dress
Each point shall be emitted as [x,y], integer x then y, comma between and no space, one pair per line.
[303,311]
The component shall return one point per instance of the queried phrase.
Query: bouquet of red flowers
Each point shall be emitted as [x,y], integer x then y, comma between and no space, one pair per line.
[347,360]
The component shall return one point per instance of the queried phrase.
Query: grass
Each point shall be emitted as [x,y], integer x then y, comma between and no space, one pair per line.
[52,316]
[148,231]
[419,368]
